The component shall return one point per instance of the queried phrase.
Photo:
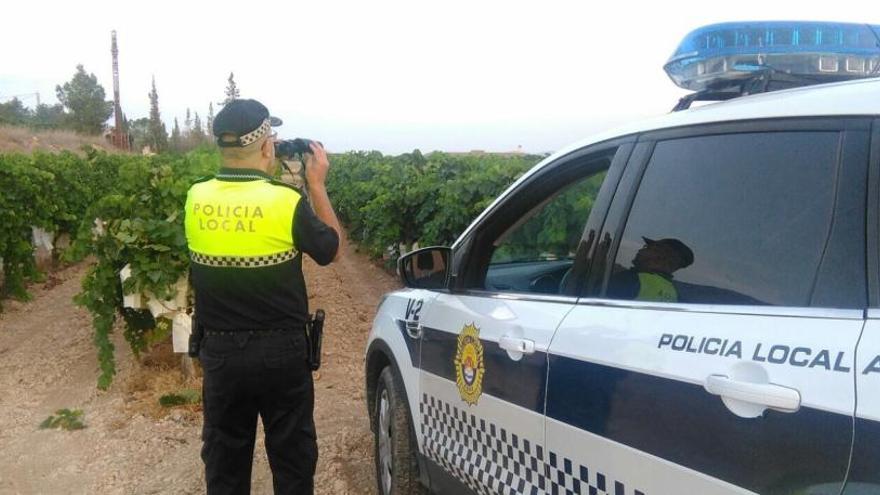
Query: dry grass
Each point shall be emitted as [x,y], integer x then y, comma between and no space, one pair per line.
[26,140]
[160,373]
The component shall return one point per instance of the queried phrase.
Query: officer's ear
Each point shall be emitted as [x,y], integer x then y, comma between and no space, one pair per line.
[267,149]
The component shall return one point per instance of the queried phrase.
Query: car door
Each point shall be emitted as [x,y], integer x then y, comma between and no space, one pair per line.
[864,475]
[483,345]
[713,350]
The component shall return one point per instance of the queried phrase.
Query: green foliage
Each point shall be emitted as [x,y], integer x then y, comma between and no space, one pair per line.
[181,398]
[160,331]
[83,97]
[554,230]
[157,136]
[142,219]
[197,133]
[139,129]
[13,112]
[209,122]
[390,201]
[41,190]
[65,419]
[176,140]
[44,116]
[48,117]
[137,202]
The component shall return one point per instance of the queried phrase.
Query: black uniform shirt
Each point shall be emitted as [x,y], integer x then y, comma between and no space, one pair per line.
[234,298]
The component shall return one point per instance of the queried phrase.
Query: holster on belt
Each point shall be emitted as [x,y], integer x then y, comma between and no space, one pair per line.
[314,334]
[195,338]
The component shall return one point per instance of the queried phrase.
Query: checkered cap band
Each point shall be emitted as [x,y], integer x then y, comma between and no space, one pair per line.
[256,134]
[243,261]
[492,460]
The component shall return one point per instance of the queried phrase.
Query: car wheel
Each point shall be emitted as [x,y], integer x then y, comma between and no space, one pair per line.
[397,467]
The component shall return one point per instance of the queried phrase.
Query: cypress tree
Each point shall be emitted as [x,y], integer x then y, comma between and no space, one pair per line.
[198,133]
[157,135]
[175,136]
[232,92]
[209,123]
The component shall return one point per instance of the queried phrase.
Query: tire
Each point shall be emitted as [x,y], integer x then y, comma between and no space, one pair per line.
[395,447]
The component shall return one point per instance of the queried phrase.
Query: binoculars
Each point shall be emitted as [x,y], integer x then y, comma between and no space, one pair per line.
[289,148]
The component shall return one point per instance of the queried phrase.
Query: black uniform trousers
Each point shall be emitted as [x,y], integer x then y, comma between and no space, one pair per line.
[251,373]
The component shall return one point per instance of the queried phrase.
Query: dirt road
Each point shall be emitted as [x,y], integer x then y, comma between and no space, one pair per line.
[132,445]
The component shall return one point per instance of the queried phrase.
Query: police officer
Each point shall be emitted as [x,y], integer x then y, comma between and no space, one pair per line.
[650,278]
[246,235]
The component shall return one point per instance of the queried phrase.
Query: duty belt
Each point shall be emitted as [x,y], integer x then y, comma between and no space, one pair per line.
[256,332]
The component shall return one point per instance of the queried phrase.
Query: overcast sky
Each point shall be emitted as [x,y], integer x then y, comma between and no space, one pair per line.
[393,76]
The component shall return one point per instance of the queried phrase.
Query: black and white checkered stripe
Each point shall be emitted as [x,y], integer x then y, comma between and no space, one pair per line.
[492,460]
[256,134]
[243,261]
[240,176]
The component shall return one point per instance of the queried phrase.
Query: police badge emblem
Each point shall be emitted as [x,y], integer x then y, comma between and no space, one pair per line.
[469,366]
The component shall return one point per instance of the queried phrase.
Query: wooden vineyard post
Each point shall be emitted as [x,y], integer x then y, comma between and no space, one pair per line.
[187,366]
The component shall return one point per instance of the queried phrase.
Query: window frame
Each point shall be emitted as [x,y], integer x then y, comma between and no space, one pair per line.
[470,259]
[854,133]
[872,235]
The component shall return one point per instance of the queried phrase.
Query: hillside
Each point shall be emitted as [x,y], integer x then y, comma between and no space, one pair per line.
[26,140]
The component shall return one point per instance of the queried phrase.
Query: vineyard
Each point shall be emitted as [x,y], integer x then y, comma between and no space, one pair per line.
[125,211]
[390,203]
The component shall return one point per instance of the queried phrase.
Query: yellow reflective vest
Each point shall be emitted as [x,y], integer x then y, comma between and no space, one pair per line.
[654,287]
[242,223]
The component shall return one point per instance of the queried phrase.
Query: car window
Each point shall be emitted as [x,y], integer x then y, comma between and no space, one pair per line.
[731,219]
[536,252]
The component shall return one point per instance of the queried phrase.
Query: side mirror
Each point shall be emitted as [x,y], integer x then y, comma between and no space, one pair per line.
[426,268]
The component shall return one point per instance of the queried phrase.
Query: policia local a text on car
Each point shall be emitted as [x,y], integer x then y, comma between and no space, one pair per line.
[246,234]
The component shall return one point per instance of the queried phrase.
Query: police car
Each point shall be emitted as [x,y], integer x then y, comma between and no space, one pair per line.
[690,305]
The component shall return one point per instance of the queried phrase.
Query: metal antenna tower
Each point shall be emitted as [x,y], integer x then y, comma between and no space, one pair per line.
[120,139]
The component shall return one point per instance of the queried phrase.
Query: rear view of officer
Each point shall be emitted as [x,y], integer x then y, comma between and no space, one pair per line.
[246,234]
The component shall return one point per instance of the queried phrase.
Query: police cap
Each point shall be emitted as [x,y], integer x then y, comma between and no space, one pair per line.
[684,252]
[242,122]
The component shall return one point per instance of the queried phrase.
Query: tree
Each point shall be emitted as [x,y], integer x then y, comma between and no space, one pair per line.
[231,90]
[187,123]
[48,117]
[209,123]
[14,112]
[175,142]
[139,130]
[157,136]
[197,133]
[83,97]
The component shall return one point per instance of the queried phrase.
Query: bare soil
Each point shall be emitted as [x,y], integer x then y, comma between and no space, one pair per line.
[131,444]
[26,140]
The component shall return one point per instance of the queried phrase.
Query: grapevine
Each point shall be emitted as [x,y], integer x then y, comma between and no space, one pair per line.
[391,203]
[141,225]
[120,210]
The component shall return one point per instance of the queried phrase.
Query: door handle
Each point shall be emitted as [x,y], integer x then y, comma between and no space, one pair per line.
[764,394]
[413,329]
[513,344]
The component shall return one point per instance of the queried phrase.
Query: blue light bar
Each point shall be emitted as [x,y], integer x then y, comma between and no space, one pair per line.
[719,54]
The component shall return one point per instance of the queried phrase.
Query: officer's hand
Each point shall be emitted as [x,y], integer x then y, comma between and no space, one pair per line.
[317,164]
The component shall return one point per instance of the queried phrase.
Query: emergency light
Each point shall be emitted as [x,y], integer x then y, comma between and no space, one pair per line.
[799,53]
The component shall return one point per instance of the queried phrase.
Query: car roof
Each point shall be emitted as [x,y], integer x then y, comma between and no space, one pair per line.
[859,97]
